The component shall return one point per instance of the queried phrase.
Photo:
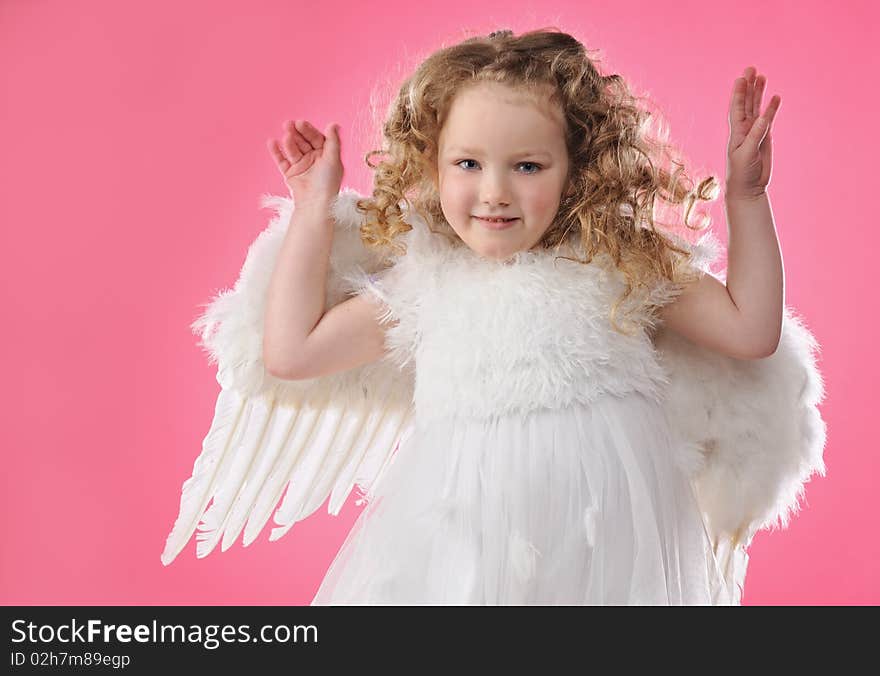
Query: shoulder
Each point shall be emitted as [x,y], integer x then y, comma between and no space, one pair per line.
[696,277]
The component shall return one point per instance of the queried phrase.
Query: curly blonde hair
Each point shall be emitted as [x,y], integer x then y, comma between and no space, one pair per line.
[618,167]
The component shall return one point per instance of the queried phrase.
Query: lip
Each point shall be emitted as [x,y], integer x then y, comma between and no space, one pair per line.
[492,225]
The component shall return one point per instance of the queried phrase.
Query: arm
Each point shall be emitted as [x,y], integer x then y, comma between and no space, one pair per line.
[744,318]
[295,300]
[348,335]
[301,340]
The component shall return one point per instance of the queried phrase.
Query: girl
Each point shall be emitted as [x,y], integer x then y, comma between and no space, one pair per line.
[584,415]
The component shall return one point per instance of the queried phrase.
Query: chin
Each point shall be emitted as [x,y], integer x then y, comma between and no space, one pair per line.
[494,253]
[483,245]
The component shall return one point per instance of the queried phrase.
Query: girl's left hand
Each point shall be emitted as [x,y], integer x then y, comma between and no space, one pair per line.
[749,149]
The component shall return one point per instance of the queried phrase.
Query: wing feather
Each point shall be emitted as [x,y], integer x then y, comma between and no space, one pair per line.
[368,462]
[368,419]
[306,431]
[233,473]
[290,442]
[267,456]
[197,490]
[256,448]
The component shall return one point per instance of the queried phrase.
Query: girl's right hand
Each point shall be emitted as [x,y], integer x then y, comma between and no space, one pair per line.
[309,161]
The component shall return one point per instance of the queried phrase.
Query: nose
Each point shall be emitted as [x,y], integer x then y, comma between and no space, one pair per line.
[494,189]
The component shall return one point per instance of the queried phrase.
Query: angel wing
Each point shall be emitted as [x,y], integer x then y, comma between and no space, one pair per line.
[314,437]
[751,432]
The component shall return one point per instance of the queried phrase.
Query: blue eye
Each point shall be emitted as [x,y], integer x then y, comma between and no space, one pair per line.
[532,164]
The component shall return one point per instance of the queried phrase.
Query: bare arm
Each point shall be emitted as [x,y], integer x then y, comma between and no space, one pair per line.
[295,300]
[744,318]
[348,335]
[300,339]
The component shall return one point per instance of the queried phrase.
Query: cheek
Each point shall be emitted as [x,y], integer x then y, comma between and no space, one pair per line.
[451,201]
[543,200]
[546,196]
[455,194]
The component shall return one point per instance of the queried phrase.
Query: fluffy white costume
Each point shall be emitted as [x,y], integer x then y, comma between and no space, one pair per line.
[544,457]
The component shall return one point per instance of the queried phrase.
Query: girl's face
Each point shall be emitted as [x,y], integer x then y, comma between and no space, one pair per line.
[500,154]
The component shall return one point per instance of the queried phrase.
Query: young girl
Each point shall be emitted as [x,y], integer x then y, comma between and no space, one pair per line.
[583,414]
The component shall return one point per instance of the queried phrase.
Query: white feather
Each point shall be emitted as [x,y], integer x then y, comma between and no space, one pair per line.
[749,432]
[313,437]
[198,489]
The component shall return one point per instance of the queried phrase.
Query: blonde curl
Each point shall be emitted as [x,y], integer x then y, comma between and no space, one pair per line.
[621,169]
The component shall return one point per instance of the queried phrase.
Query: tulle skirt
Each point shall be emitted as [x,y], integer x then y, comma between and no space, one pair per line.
[582,505]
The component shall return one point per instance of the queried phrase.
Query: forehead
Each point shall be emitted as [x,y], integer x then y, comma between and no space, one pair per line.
[490,112]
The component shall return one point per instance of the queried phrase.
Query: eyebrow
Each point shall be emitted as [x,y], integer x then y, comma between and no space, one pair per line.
[472,151]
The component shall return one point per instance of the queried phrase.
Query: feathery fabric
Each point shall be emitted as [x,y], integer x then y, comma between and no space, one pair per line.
[476,341]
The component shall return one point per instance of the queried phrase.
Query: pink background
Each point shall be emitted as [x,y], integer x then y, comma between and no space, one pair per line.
[133,156]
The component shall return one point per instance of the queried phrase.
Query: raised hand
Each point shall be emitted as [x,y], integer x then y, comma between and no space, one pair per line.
[750,147]
[309,161]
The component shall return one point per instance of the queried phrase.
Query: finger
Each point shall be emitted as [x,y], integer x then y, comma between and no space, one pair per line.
[312,135]
[278,155]
[304,146]
[770,113]
[294,145]
[738,100]
[332,132]
[760,84]
[756,135]
[773,106]
[750,92]
[767,151]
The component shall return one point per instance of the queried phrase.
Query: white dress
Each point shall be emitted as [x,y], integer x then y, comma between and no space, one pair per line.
[576,506]
[541,468]
[541,456]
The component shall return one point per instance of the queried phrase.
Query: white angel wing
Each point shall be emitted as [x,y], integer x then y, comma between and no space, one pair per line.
[750,430]
[315,438]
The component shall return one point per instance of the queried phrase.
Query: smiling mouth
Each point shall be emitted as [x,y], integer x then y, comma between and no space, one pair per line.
[496,224]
